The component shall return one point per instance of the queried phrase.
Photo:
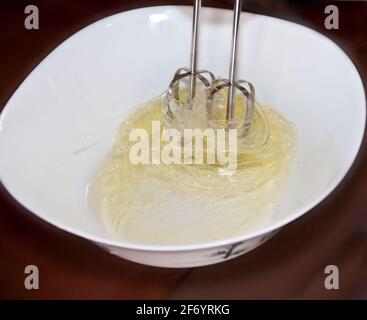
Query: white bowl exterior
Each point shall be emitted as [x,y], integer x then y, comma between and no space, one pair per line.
[189,258]
[61,122]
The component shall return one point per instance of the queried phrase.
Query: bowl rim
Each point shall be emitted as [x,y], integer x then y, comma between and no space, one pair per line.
[204,245]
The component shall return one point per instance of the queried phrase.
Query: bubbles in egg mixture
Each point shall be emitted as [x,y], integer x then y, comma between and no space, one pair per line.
[180,203]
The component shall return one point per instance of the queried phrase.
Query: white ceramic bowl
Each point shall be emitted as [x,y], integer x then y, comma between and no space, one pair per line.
[61,121]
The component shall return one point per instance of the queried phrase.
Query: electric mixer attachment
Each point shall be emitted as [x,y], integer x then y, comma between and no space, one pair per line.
[181,74]
[212,86]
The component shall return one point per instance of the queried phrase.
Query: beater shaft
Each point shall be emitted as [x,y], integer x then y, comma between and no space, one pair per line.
[232,67]
[194,48]
[191,76]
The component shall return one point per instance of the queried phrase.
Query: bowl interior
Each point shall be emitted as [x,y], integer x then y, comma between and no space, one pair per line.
[61,122]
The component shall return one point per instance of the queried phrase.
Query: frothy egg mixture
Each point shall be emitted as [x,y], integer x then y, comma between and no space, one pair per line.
[179,204]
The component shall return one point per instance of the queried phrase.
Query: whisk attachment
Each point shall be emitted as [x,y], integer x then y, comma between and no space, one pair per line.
[180,101]
[191,74]
[231,84]
[205,77]
[248,92]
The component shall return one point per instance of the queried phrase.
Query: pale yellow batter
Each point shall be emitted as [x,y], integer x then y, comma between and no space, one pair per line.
[185,204]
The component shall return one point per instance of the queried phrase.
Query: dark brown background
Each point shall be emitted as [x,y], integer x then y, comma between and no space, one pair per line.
[291,265]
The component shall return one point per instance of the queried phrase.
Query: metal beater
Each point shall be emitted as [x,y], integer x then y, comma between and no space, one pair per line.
[205,76]
[208,80]
[246,88]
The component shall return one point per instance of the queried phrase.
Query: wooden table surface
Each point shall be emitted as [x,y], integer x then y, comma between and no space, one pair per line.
[291,265]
